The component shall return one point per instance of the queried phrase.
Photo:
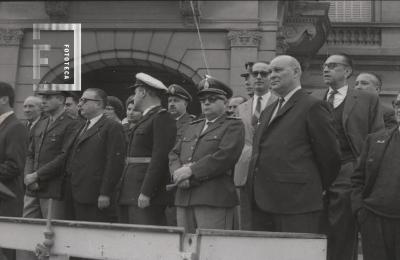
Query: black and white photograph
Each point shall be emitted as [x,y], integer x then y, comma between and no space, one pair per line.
[200,130]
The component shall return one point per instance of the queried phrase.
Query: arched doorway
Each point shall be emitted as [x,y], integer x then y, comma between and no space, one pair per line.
[115,75]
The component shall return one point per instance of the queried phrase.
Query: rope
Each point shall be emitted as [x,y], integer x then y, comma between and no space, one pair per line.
[199,35]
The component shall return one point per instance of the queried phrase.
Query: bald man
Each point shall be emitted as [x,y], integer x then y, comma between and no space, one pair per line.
[32,110]
[372,83]
[295,156]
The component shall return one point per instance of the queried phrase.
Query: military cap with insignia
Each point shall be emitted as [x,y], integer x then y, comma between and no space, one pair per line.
[179,91]
[211,85]
[145,80]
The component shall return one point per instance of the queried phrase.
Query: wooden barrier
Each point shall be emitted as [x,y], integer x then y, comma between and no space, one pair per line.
[139,242]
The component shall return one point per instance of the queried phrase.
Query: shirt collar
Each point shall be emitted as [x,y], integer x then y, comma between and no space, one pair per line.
[94,120]
[56,116]
[148,109]
[5,115]
[291,93]
[342,91]
[264,97]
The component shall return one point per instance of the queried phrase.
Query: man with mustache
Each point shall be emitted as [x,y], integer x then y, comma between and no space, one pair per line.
[178,101]
[356,114]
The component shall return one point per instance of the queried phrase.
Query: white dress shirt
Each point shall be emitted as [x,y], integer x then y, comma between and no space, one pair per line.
[264,101]
[339,97]
[93,121]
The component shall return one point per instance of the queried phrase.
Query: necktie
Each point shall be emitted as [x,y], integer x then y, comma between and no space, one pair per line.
[257,112]
[206,126]
[85,128]
[331,98]
[29,125]
[280,103]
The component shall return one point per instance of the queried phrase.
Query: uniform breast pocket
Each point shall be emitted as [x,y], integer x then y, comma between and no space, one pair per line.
[52,138]
[213,138]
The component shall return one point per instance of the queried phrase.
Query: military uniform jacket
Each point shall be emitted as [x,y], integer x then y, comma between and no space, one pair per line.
[153,136]
[13,146]
[47,154]
[96,160]
[182,123]
[212,155]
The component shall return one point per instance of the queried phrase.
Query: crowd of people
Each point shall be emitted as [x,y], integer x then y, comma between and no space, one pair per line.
[283,159]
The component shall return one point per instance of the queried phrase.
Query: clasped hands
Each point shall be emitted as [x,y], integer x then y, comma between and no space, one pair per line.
[182,175]
[30,180]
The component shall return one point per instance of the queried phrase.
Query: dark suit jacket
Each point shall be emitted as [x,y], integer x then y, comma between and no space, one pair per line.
[389,117]
[213,155]
[47,154]
[368,165]
[295,157]
[13,146]
[362,115]
[96,160]
[153,136]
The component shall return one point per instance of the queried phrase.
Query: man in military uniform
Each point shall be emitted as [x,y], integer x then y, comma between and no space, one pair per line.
[143,197]
[44,169]
[178,101]
[202,162]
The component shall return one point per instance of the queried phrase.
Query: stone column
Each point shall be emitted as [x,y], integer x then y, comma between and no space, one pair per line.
[244,48]
[9,49]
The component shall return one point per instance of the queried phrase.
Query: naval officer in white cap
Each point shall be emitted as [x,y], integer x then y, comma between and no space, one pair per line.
[143,197]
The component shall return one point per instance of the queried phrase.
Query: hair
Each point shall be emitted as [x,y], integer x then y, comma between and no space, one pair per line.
[101,94]
[239,96]
[154,92]
[117,104]
[129,100]
[7,91]
[248,66]
[74,96]
[347,58]
[258,61]
[377,77]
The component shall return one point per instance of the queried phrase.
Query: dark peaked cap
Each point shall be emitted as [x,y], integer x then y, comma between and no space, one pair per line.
[211,85]
[179,91]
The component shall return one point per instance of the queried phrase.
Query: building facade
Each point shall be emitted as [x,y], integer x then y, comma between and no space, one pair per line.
[122,38]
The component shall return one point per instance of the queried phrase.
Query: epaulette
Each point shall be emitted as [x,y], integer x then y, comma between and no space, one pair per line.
[192,116]
[233,117]
[197,121]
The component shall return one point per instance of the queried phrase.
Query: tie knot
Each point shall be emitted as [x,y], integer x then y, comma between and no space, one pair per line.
[334,91]
[281,100]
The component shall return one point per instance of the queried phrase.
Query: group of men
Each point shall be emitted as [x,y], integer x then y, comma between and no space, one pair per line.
[292,160]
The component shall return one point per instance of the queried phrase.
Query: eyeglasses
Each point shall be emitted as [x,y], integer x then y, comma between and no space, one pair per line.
[263,73]
[84,100]
[210,99]
[332,65]
[396,103]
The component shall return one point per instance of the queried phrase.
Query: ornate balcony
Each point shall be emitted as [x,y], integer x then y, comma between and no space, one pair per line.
[354,36]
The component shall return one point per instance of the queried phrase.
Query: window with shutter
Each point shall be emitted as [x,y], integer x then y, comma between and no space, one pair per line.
[350,11]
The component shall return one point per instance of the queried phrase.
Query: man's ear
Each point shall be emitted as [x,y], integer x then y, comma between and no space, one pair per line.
[4,100]
[349,72]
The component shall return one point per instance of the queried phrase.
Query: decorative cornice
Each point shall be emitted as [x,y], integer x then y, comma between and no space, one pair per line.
[10,36]
[244,38]
[57,10]
[304,29]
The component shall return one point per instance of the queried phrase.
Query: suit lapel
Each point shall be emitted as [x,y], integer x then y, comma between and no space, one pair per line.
[145,117]
[91,131]
[289,104]
[350,101]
